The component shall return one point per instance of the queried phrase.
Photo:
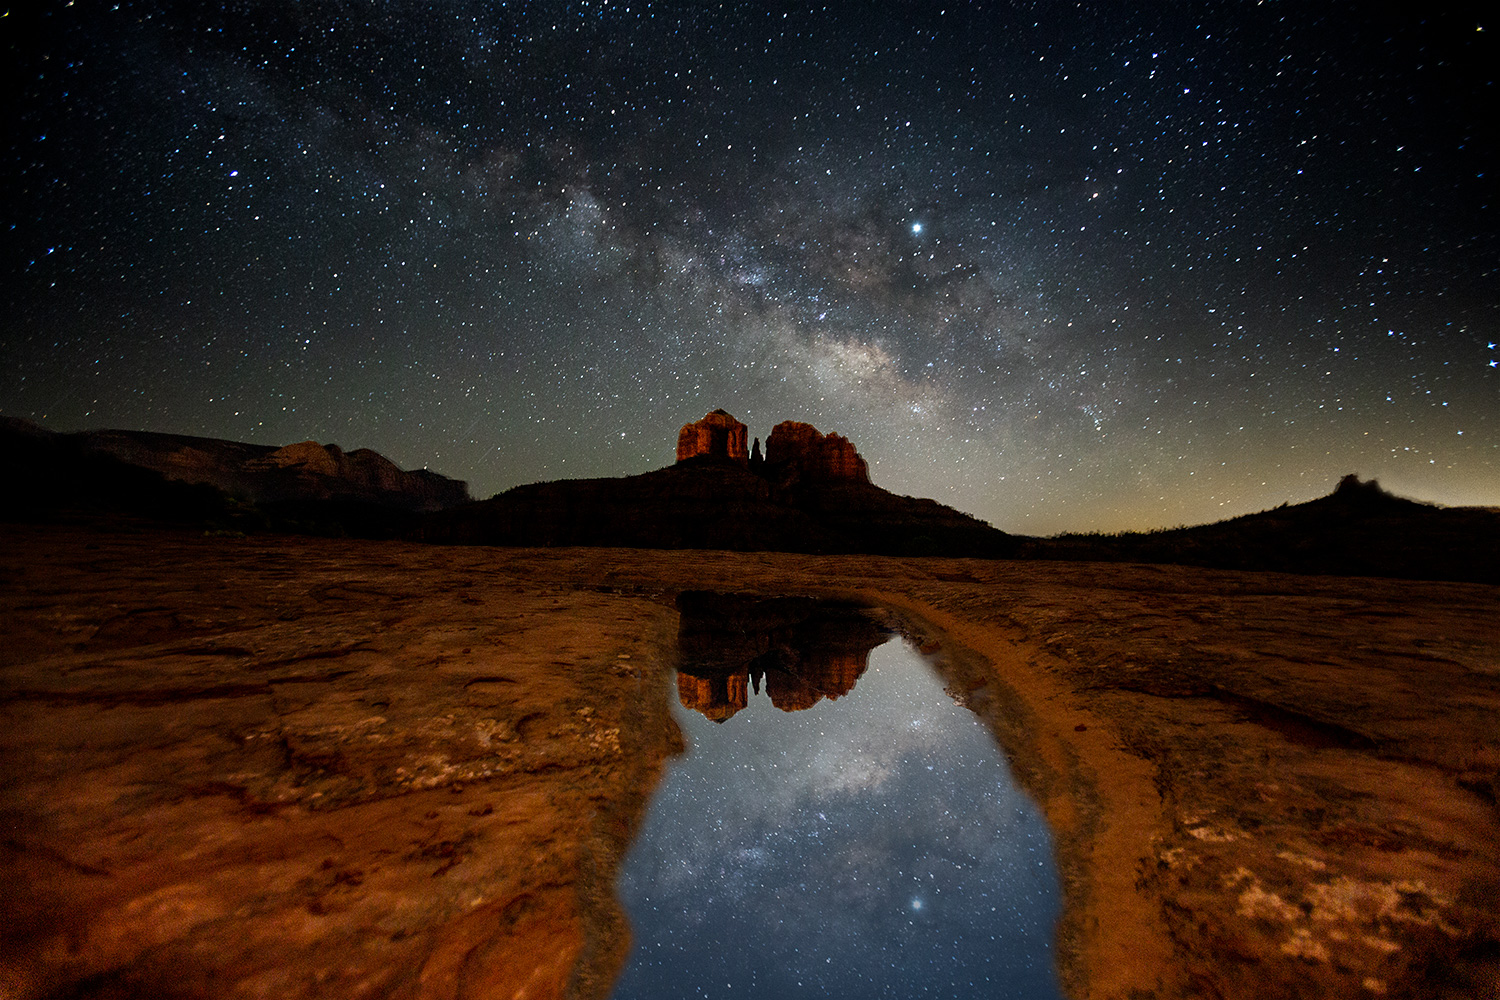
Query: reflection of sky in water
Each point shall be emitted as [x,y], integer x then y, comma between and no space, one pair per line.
[875,846]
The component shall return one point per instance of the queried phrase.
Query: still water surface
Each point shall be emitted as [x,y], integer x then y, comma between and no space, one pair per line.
[870,846]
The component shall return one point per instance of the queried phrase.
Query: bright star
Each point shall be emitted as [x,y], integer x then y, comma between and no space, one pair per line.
[916,227]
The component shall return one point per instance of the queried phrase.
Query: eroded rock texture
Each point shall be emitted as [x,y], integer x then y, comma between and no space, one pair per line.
[717,435]
[245,770]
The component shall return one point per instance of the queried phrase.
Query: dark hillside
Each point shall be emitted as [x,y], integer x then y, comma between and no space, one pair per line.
[304,488]
[710,503]
[1358,530]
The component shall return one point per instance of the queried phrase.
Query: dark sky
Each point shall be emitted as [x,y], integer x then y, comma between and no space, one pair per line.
[1063,266]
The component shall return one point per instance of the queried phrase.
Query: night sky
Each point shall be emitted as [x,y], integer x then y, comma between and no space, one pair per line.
[1062,266]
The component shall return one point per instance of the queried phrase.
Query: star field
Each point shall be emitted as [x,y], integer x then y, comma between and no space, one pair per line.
[1062,266]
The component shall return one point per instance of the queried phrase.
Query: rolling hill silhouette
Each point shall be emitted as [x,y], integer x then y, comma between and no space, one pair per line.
[304,488]
[1357,530]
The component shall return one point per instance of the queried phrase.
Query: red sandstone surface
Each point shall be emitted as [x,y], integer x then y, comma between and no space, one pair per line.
[292,767]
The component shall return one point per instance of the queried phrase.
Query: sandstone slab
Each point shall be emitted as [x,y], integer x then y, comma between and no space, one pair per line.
[300,767]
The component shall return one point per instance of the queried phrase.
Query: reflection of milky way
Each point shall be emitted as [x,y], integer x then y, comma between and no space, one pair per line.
[1059,267]
[869,847]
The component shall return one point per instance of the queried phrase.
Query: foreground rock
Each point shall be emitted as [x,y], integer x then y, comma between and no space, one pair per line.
[301,768]
[304,770]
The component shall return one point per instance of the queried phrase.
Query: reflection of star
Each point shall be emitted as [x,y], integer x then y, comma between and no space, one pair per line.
[916,902]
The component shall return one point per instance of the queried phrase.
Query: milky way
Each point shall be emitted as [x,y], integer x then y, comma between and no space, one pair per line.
[1060,266]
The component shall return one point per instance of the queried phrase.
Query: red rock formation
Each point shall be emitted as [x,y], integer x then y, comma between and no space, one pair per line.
[812,494]
[818,457]
[717,434]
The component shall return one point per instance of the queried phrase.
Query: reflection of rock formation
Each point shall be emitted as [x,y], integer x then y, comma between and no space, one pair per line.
[717,696]
[801,649]
[822,673]
[718,435]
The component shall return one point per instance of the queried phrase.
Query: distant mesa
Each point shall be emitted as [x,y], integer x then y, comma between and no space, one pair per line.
[311,457]
[305,487]
[329,471]
[810,492]
[306,471]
